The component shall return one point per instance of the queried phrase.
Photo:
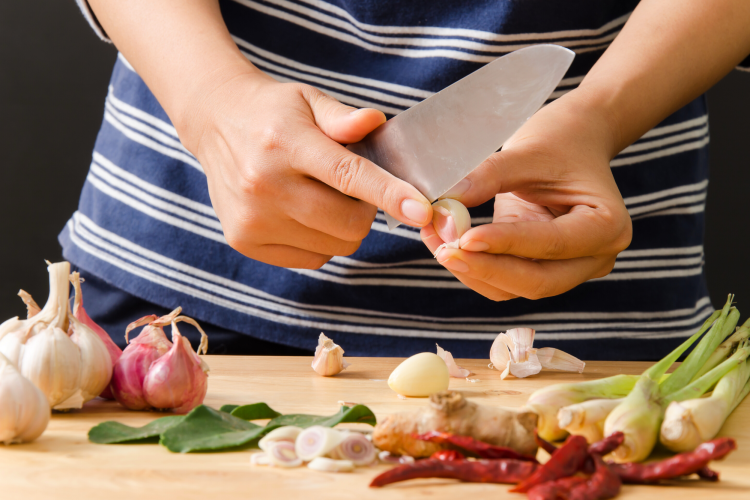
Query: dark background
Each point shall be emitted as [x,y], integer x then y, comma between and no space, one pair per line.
[53,80]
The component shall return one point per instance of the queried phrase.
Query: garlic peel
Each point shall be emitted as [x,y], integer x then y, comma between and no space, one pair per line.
[32,308]
[453,369]
[514,351]
[329,357]
[556,359]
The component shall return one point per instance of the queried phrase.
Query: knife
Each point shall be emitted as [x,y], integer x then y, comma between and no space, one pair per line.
[436,143]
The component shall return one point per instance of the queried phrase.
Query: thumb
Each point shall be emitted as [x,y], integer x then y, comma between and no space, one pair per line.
[502,172]
[344,124]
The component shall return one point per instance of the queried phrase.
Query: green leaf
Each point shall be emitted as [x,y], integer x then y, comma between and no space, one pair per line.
[257,411]
[228,408]
[356,414]
[115,432]
[206,429]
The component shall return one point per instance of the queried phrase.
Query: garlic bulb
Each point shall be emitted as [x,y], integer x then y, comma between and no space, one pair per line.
[156,373]
[80,314]
[453,369]
[513,352]
[451,220]
[24,410]
[52,361]
[329,358]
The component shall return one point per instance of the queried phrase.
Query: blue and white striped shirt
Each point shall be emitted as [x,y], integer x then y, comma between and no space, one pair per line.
[145,221]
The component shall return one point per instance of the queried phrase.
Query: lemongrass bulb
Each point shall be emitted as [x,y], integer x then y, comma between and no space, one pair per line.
[24,410]
[638,418]
[96,363]
[52,362]
[451,220]
[586,419]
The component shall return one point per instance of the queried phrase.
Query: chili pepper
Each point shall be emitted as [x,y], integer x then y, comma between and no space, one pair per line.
[608,444]
[555,490]
[473,446]
[707,474]
[504,470]
[682,464]
[544,444]
[566,461]
[602,484]
[447,455]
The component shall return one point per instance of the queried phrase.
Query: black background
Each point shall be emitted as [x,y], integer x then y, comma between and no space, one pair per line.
[53,80]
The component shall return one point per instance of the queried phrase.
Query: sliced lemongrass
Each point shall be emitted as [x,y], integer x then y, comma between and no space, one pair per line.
[286,433]
[317,441]
[259,458]
[330,465]
[389,458]
[282,454]
[356,448]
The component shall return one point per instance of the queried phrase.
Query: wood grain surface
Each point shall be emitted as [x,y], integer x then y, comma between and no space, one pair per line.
[63,464]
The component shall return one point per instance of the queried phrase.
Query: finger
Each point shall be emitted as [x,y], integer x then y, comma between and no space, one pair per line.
[433,241]
[581,232]
[341,123]
[286,256]
[511,208]
[320,207]
[533,279]
[358,177]
[502,172]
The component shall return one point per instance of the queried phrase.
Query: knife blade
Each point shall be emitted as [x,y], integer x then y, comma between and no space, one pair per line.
[438,142]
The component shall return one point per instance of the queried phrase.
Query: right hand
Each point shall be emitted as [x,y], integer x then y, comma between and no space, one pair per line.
[286,191]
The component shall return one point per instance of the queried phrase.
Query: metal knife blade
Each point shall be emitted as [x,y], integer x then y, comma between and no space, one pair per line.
[438,142]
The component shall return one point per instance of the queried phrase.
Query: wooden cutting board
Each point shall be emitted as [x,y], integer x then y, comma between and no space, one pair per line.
[62,464]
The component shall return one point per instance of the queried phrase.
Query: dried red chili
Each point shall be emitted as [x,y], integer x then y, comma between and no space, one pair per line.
[544,444]
[602,484]
[447,455]
[555,490]
[566,461]
[707,474]
[682,464]
[608,444]
[504,470]
[473,446]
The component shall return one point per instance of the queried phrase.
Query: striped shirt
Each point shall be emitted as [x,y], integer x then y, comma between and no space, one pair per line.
[145,222]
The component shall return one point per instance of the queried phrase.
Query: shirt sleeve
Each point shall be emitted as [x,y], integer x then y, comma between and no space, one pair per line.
[745,65]
[91,18]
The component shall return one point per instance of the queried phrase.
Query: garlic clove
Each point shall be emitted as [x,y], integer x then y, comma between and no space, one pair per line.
[329,358]
[96,362]
[453,369]
[420,376]
[556,359]
[177,380]
[451,220]
[52,362]
[12,346]
[11,325]
[32,308]
[24,410]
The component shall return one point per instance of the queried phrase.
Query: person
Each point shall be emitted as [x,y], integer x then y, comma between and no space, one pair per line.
[220,181]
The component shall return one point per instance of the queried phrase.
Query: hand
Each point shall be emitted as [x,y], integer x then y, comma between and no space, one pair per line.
[559,218]
[286,192]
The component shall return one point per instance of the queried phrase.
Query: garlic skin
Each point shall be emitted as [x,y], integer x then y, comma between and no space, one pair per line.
[453,369]
[52,362]
[96,363]
[32,308]
[420,375]
[24,410]
[177,380]
[329,358]
[513,352]
[451,220]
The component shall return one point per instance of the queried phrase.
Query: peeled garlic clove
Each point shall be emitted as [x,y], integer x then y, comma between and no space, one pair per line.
[96,363]
[329,357]
[451,220]
[24,410]
[453,369]
[177,380]
[556,359]
[329,465]
[420,375]
[286,433]
[52,362]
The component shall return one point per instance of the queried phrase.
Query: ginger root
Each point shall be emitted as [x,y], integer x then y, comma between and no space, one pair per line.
[450,412]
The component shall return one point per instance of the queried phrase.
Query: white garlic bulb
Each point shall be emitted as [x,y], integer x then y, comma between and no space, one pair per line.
[24,410]
[52,361]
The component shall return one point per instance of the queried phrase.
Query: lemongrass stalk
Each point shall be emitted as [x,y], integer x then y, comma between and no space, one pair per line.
[639,416]
[691,422]
[723,327]
[587,419]
[724,350]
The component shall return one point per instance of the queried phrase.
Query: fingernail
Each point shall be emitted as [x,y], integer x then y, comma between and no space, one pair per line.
[459,189]
[475,246]
[415,211]
[451,263]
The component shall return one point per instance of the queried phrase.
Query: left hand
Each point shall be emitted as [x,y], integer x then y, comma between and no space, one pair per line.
[559,219]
